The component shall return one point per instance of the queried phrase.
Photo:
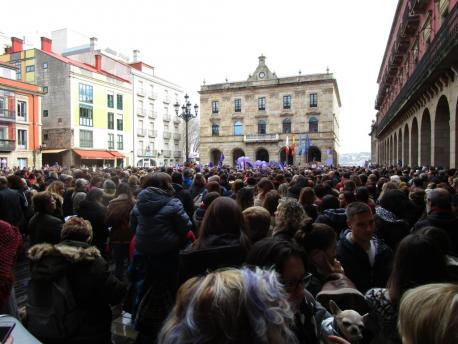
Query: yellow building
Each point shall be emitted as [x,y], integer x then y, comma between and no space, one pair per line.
[86,112]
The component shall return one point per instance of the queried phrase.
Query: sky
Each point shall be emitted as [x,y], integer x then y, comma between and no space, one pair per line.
[188,41]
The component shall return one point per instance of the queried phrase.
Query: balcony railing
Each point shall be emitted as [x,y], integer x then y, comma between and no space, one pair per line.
[176,120]
[441,48]
[166,153]
[177,154]
[152,133]
[166,135]
[152,95]
[141,92]
[7,145]
[261,138]
[8,115]
[141,132]
[418,6]
[146,152]
[176,136]
[152,114]
[141,112]
[166,99]
[166,117]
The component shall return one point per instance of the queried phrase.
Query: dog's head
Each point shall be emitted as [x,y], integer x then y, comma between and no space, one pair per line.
[349,322]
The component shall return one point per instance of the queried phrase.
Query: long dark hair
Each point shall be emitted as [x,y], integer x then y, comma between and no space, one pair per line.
[223,216]
[418,261]
[160,180]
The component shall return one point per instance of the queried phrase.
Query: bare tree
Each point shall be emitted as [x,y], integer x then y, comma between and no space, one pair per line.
[194,135]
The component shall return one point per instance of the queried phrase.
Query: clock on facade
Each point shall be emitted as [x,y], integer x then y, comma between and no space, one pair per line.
[262,75]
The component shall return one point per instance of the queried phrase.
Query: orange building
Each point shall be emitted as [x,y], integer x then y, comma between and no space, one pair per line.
[20,124]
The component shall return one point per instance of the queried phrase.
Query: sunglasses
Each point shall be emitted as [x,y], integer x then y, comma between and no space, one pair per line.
[294,285]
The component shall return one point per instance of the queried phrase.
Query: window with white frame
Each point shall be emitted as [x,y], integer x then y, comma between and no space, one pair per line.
[21,110]
[22,138]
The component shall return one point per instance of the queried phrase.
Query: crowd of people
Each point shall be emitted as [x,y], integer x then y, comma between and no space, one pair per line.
[202,254]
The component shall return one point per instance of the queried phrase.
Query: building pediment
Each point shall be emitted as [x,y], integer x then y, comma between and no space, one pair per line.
[262,72]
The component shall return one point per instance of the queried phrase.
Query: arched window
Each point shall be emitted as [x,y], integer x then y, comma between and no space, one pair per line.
[238,128]
[286,126]
[261,127]
[313,125]
[215,129]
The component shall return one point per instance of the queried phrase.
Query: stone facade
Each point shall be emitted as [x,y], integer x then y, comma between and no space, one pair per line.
[255,117]
[417,102]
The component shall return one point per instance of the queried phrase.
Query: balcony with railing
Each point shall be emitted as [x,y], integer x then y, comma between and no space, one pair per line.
[434,61]
[152,133]
[141,132]
[176,120]
[166,99]
[177,154]
[152,95]
[152,114]
[7,115]
[141,92]
[167,135]
[166,153]
[176,136]
[418,6]
[141,112]
[254,138]
[166,117]
[7,145]
[147,152]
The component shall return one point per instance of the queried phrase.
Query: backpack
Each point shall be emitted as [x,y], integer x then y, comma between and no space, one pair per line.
[52,312]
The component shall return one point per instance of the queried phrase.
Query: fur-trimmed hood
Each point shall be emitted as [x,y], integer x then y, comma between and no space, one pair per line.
[49,261]
[67,249]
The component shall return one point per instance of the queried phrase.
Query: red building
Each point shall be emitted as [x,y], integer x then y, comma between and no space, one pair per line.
[418,88]
[20,125]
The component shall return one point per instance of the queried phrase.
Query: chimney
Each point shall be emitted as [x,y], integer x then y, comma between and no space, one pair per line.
[16,45]
[136,55]
[98,62]
[46,44]
[93,43]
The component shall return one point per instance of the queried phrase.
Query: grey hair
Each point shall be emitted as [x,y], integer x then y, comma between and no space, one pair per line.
[231,306]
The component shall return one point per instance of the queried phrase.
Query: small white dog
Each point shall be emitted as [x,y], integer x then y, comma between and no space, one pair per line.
[348,324]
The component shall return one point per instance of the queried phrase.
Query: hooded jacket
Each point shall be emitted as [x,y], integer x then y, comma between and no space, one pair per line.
[336,218]
[94,287]
[159,221]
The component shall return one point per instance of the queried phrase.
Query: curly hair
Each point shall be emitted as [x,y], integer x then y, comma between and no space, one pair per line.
[77,229]
[291,216]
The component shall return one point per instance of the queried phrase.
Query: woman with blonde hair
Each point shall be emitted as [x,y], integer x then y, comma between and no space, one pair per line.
[57,190]
[429,315]
[289,218]
[230,306]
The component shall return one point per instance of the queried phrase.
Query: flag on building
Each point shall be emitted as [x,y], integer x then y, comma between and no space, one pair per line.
[287,147]
[299,151]
[293,146]
[307,143]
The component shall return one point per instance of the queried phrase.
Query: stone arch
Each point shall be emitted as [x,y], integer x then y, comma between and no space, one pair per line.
[283,156]
[400,158]
[215,155]
[425,134]
[414,143]
[442,134]
[236,153]
[405,156]
[314,154]
[262,154]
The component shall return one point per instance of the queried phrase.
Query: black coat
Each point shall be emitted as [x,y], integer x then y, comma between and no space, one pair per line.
[10,207]
[95,214]
[94,287]
[445,220]
[336,218]
[186,199]
[220,251]
[159,221]
[356,265]
[44,228]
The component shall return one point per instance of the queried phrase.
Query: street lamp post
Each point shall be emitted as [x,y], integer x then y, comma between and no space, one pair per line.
[186,114]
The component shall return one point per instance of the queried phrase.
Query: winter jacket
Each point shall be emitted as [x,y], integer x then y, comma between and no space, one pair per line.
[10,242]
[94,287]
[95,213]
[196,190]
[185,197]
[117,217]
[44,228]
[312,211]
[219,251]
[10,207]
[355,262]
[389,227]
[159,221]
[336,218]
[445,220]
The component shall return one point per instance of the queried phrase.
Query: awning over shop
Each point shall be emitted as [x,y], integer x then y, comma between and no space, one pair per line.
[94,154]
[52,151]
[116,154]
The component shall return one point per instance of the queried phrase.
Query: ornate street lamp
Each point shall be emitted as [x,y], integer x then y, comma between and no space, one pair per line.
[186,114]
